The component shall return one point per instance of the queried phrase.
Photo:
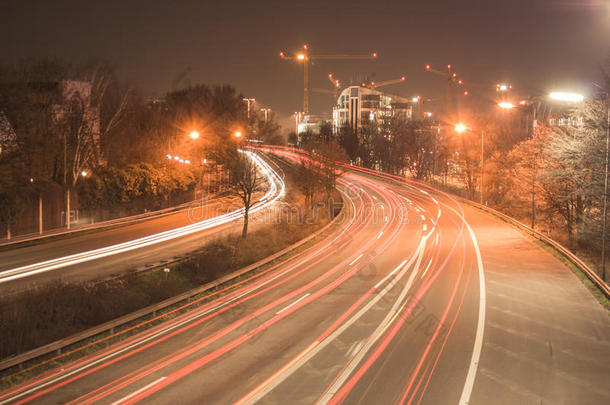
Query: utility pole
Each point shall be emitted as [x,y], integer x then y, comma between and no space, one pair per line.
[605,187]
[482,162]
[305,57]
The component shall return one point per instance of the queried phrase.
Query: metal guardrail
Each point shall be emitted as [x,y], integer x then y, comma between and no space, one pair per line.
[58,345]
[589,273]
[34,237]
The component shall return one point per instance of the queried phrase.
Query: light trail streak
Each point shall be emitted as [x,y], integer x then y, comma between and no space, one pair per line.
[276,189]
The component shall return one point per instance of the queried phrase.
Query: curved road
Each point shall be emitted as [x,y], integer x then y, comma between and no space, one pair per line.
[413,298]
[110,252]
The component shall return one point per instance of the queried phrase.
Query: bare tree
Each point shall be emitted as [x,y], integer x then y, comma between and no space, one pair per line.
[246,180]
[80,115]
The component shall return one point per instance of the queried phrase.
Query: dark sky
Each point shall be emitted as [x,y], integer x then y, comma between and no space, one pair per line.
[537,44]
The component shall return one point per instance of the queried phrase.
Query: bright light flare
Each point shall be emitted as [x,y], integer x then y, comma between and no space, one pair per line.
[506,105]
[84,173]
[300,56]
[459,128]
[415,99]
[565,96]
[238,134]
[194,135]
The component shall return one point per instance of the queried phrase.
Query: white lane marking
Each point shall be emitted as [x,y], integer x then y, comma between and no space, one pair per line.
[425,227]
[386,218]
[390,275]
[175,326]
[315,349]
[422,217]
[380,233]
[53,264]
[478,341]
[427,268]
[396,309]
[133,394]
[356,259]
[294,303]
[436,239]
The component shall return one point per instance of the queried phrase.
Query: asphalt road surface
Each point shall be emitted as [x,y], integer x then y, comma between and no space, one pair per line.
[111,252]
[413,298]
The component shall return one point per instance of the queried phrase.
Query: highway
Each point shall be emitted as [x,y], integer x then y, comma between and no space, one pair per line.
[413,298]
[110,252]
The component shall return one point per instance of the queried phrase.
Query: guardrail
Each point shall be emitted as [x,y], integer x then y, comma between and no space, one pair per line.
[34,237]
[58,345]
[589,273]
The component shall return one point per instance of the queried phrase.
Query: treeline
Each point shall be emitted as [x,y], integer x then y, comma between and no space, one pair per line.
[139,187]
[82,130]
[548,173]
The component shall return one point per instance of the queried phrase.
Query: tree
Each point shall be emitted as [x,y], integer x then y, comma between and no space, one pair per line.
[245,181]
[529,164]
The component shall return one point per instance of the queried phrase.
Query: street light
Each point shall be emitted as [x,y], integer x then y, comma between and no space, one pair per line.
[565,96]
[237,134]
[83,173]
[506,105]
[194,135]
[460,128]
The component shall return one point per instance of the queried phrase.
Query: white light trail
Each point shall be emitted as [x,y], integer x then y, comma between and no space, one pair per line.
[276,189]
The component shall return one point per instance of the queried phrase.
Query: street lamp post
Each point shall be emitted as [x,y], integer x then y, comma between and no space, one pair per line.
[605,188]
[459,128]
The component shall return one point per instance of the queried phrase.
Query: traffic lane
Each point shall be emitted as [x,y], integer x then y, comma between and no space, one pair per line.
[122,263]
[197,336]
[546,337]
[273,346]
[403,361]
[24,255]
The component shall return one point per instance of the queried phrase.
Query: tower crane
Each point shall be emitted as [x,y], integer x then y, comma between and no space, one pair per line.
[373,85]
[335,90]
[306,57]
[452,81]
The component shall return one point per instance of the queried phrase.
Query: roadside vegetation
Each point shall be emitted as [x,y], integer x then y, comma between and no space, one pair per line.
[544,161]
[50,312]
[80,139]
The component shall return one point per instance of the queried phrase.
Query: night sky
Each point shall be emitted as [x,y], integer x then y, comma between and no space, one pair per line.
[538,45]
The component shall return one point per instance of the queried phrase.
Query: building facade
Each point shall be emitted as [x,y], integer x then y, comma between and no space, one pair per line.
[358,106]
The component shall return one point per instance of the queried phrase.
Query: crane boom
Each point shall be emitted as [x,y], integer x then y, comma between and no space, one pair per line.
[373,85]
[306,57]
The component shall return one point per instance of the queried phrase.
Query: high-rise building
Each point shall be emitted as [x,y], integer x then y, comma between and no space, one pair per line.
[357,106]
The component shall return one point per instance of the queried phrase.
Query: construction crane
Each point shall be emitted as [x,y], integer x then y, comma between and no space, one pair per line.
[335,90]
[373,85]
[306,57]
[452,80]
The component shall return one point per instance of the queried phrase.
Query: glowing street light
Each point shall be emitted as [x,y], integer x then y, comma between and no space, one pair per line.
[301,56]
[83,173]
[565,96]
[506,105]
[194,135]
[459,128]
[415,99]
[170,157]
[238,134]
